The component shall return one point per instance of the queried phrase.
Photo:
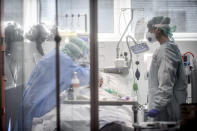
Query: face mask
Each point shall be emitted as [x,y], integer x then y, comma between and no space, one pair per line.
[151,37]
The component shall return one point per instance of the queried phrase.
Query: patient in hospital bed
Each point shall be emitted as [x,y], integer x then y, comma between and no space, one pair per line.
[37,110]
[77,117]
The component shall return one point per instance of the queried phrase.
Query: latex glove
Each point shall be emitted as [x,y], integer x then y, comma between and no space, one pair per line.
[152,113]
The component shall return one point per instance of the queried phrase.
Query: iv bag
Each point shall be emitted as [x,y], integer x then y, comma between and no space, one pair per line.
[140,29]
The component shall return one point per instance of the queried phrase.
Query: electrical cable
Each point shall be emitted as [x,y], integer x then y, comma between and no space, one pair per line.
[188,53]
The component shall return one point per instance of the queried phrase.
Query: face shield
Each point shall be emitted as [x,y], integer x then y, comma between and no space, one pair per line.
[162,23]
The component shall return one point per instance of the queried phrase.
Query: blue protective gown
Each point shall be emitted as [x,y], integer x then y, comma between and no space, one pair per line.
[167,82]
[40,94]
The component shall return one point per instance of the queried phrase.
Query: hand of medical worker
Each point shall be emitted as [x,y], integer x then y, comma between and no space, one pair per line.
[152,113]
[100,82]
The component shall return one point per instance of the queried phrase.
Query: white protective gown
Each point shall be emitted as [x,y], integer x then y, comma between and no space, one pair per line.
[167,82]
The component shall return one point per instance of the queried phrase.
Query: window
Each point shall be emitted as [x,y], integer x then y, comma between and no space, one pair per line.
[183,13]
[47,11]
[106,16]
[13,11]
[72,14]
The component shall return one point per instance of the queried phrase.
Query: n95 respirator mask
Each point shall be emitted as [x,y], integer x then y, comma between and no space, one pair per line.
[151,37]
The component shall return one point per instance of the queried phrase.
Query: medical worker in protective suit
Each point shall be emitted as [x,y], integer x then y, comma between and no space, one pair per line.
[167,79]
[39,94]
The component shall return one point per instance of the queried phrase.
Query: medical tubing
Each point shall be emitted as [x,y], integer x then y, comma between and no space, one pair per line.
[131,38]
[127,41]
[188,53]
[117,47]
[130,61]
[119,23]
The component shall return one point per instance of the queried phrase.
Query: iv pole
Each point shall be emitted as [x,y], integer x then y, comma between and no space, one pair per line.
[118,44]
[117,47]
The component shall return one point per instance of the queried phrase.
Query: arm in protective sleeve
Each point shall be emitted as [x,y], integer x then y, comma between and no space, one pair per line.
[168,66]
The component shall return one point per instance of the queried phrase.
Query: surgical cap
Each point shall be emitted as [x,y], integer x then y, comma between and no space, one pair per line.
[162,23]
[76,48]
[158,20]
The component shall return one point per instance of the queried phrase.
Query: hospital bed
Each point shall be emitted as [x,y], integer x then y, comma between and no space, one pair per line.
[75,115]
[114,110]
[38,102]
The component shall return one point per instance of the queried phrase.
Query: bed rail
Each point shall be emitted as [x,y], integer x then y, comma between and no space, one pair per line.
[135,105]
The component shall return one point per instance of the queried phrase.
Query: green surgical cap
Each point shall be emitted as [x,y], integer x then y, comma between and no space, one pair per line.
[71,50]
[167,30]
[76,48]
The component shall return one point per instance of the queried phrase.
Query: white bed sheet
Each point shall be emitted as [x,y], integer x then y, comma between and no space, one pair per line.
[77,117]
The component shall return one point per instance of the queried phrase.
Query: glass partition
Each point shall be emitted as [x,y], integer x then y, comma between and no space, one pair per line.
[30,65]
[13,58]
[124,58]
[125,55]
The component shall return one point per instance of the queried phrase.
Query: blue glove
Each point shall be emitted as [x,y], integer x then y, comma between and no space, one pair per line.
[152,113]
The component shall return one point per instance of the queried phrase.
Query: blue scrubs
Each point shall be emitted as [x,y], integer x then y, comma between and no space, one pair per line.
[40,94]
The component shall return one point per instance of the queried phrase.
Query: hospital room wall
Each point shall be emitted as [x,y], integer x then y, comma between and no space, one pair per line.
[107,56]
